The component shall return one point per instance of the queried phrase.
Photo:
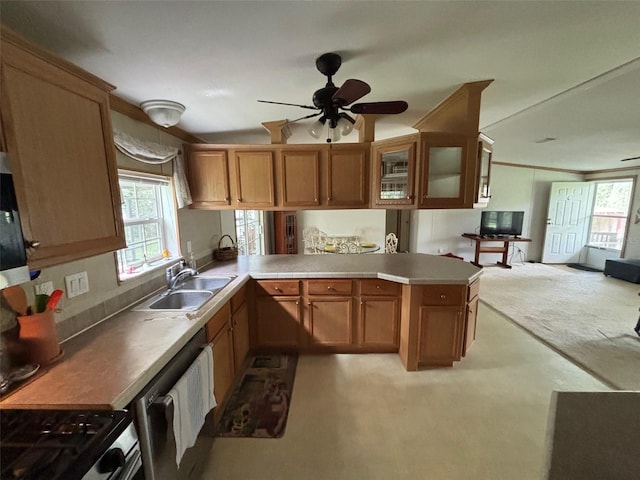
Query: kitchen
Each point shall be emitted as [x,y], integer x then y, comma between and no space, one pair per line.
[107,295]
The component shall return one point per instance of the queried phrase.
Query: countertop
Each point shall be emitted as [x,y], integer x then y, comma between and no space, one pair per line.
[106,366]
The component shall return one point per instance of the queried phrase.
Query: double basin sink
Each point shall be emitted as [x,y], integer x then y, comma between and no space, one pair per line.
[189,295]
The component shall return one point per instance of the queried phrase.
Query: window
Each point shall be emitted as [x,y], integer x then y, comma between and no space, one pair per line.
[149,216]
[250,232]
[610,211]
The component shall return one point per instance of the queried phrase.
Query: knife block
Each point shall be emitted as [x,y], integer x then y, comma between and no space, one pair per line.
[38,337]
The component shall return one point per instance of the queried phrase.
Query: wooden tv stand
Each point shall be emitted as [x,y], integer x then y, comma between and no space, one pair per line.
[504,249]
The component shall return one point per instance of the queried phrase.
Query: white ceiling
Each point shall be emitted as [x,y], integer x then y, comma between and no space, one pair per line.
[567,70]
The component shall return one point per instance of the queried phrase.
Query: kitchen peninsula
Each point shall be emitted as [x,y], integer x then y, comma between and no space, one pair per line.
[430,301]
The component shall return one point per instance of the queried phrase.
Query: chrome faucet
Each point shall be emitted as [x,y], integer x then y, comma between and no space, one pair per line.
[173,279]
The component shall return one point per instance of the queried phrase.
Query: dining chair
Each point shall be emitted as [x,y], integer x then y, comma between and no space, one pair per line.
[391,243]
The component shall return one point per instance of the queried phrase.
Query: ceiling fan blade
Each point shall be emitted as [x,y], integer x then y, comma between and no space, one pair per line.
[630,158]
[350,91]
[290,104]
[302,118]
[397,106]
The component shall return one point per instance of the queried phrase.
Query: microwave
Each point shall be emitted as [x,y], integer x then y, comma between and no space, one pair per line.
[13,254]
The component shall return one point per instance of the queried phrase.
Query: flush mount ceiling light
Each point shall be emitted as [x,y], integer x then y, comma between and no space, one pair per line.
[163,112]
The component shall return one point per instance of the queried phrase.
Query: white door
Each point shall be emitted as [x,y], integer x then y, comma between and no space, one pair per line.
[567,221]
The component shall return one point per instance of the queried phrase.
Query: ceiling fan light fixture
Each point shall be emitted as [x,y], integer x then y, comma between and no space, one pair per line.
[315,130]
[334,135]
[345,124]
[163,112]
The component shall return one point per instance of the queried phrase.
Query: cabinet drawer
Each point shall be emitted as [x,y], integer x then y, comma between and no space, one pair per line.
[219,320]
[379,287]
[276,287]
[441,295]
[329,287]
[474,290]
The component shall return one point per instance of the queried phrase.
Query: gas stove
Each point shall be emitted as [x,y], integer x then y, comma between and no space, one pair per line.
[67,445]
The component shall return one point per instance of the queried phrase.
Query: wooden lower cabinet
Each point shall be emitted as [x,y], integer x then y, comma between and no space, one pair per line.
[277,322]
[329,321]
[428,325]
[378,323]
[473,297]
[440,333]
[379,315]
[240,326]
[220,335]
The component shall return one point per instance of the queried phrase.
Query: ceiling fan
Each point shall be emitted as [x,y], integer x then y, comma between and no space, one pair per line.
[630,158]
[330,100]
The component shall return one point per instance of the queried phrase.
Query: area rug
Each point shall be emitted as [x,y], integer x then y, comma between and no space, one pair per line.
[586,316]
[259,404]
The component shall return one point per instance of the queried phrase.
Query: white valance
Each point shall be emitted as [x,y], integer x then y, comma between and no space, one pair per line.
[156,153]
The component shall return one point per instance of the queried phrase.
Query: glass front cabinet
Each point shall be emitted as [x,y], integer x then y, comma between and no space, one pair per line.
[394,173]
[446,170]
[485,152]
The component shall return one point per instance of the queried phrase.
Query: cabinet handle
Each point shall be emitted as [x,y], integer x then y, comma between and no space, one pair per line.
[361,302]
[330,287]
[297,303]
[378,287]
[226,199]
[277,289]
[239,200]
[31,244]
[443,296]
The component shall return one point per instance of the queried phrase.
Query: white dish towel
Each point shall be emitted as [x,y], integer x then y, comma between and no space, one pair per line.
[192,399]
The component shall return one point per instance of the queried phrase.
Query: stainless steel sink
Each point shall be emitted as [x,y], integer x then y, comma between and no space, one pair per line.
[184,301]
[211,284]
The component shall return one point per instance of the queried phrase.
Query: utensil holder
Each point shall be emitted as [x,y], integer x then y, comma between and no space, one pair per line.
[38,337]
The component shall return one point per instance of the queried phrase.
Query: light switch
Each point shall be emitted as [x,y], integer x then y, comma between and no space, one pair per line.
[77,284]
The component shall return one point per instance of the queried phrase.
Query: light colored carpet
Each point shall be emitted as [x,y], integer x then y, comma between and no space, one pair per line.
[586,316]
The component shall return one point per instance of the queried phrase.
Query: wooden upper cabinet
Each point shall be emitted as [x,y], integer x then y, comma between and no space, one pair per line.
[448,163]
[300,177]
[208,176]
[57,128]
[254,179]
[348,175]
[394,171]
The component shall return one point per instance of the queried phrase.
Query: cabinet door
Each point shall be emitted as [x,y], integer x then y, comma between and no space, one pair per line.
[330,321]
[348,176]
[440,332]
[254,180]
[277,322]
[445,164]
[208,175]
[378,323]
[58,134]
[471,322]
[223,369]
[300,178]
[395,174]
[240,323]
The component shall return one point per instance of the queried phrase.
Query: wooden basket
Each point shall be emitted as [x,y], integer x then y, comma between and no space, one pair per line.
[225,253]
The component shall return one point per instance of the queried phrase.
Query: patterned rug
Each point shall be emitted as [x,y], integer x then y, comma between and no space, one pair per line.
[259,404]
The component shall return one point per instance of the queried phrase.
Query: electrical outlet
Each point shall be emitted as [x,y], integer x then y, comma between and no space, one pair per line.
[77,284]
[188,246]
[44,288]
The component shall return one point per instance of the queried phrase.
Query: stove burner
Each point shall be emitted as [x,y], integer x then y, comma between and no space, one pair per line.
[55,444]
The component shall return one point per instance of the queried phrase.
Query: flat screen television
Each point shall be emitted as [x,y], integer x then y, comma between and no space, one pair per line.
[501,223]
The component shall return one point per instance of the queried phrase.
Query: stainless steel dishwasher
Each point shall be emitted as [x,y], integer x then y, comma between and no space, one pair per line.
[153,412]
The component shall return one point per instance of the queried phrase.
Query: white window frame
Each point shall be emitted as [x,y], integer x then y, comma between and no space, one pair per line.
[166,219]
[625,216]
